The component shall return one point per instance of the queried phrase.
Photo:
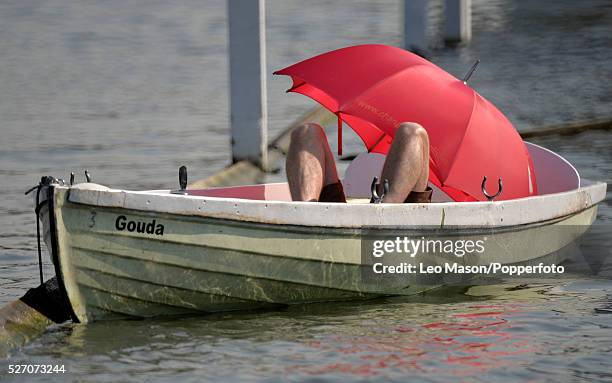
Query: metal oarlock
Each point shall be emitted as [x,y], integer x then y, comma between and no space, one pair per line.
[375,197]
[182,181]
[500,187]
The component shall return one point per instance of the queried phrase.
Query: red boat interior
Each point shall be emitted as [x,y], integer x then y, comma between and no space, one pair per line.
[553,175]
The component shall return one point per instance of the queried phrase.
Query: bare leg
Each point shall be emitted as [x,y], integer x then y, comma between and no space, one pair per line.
[407,163]
[310,163]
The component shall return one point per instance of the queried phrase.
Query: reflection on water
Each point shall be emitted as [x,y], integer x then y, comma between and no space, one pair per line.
[482,334]
[132,90]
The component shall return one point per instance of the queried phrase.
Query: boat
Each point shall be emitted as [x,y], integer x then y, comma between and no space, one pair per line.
[120,253]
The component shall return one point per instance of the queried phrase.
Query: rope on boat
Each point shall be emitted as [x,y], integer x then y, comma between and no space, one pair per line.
[37,212]
[44,181]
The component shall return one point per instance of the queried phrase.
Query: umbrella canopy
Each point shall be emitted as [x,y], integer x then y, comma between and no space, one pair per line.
[374,88]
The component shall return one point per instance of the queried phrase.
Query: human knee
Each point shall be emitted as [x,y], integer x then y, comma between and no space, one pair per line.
[307,131]
[411,129]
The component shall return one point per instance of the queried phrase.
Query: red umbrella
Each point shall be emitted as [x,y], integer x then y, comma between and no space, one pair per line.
[374,88]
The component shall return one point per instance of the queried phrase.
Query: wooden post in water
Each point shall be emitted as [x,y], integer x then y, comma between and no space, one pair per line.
[247,58]
[30,315]
[415,25]
[458,21]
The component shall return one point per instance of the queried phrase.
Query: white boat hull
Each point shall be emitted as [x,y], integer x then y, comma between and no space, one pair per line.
[185,254]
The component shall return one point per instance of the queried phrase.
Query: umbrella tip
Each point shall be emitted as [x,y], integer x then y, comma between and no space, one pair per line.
[470,72]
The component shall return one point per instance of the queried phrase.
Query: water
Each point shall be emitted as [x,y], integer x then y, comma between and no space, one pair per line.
[132,90]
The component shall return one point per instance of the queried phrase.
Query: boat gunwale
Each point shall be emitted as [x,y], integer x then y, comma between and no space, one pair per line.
[313,229]
[350,216]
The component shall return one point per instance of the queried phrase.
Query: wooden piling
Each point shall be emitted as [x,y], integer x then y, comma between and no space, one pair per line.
[245,172]
[248,97]
[569,129]
[458,21]
[415,25]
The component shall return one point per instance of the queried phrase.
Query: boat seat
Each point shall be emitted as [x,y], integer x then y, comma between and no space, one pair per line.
[358,178]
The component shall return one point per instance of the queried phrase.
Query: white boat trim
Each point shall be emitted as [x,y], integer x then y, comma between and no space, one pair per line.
[474,214]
